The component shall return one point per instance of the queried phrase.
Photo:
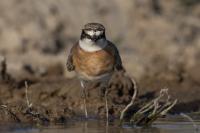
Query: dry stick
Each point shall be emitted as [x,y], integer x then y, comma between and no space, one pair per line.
[156,105]
[27,100]
[146,107]
[153,102]
[168,102]
[157,109]
[131,103]
[29,105]
[161,111]
[190,119]
[170,107]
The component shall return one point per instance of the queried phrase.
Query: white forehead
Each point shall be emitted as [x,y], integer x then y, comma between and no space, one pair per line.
[92,33]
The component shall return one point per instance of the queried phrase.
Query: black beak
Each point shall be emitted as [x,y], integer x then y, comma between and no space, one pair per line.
[95,38]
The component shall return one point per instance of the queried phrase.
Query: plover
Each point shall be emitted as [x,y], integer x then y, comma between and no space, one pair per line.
[93,57]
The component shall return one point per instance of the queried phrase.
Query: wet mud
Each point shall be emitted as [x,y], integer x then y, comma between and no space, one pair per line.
[55,99]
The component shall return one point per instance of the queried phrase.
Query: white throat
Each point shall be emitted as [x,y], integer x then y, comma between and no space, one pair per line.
[90,46]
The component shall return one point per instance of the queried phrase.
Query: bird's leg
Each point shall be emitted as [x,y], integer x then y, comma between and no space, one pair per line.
[84,98]
[104,91]
[106,102]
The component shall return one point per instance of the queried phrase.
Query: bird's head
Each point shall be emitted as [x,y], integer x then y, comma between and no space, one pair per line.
[93,32]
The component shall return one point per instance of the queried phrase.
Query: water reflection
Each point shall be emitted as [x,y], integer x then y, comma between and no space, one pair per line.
[94,126]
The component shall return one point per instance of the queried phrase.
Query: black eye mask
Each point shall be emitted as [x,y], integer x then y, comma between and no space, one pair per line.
[94,38]
[87,36]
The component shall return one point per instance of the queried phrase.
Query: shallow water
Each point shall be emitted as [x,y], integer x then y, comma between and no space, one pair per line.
[96,126]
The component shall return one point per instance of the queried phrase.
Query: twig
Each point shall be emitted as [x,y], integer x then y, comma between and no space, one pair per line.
[131,103]
[156,106]
[27,99]
[154,103]
[152,110]
[170,107]
[30,111]
[191,120]
[146,107]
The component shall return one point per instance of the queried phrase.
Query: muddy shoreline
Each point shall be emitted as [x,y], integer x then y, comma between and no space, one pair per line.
[55,99]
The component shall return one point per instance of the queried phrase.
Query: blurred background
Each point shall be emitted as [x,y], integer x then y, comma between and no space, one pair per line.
[159,40]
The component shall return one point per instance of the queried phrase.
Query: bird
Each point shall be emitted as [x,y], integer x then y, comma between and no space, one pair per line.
[94,58]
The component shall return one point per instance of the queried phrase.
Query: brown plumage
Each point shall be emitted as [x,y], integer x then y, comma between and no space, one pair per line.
[94,64]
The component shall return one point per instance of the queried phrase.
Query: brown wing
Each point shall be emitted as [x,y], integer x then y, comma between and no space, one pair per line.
[118,62]
[69,64]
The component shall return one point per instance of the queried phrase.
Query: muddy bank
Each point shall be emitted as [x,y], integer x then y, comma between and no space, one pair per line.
[55,99]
